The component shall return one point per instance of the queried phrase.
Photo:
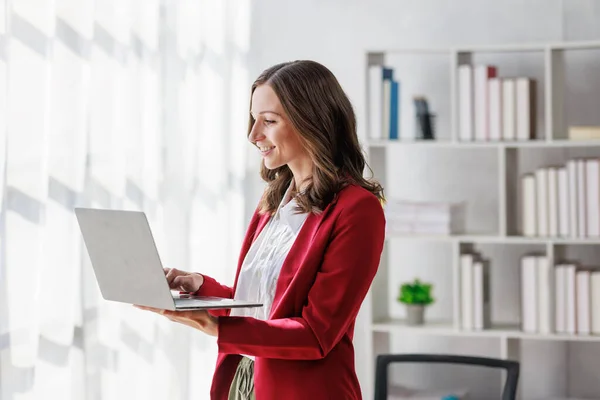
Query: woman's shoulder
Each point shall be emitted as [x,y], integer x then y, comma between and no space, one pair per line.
[353,194]
[357,206]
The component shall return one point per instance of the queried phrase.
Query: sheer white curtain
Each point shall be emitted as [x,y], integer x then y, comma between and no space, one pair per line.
[137,104]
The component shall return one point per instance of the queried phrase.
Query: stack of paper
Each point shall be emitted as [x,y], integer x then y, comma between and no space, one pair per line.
[435,218]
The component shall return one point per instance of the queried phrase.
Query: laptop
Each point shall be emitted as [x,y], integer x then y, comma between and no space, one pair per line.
[127,265]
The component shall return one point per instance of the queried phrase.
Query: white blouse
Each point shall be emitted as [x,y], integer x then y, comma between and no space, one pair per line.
[263,262]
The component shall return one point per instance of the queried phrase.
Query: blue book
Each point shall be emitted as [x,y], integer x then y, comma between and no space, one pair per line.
[394,110]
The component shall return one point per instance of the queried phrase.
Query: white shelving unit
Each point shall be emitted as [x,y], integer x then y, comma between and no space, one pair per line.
[552,138]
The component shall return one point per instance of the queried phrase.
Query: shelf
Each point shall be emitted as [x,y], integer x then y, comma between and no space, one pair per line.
[576,45]
[430,327]
[492,239]
[496,48]
[564,398]
[497,212]
[445,328]
[449,144]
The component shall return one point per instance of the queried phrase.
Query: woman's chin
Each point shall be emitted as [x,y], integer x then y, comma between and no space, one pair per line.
[272,165]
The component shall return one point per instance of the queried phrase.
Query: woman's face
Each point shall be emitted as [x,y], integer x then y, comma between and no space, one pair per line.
[274,135]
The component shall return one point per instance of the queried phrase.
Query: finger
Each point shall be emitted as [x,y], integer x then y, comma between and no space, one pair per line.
[176,283]
[156,310]
[166,270]
[184,283]
[172,274]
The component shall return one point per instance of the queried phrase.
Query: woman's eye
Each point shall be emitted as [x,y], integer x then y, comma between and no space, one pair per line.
[269,121]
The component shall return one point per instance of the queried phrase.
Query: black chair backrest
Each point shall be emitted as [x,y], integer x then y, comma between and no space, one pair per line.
[509,391]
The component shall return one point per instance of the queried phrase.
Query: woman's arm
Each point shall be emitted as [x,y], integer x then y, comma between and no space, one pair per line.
[348,268]
[210,287]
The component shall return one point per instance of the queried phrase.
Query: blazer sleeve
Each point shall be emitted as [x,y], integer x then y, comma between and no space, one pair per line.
[212,288]
[348,268]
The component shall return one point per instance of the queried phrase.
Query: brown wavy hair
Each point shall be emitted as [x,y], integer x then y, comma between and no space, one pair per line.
[323,117]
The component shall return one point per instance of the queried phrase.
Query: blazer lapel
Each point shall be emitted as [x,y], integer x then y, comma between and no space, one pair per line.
[261,224]
[297,254]
[248,240]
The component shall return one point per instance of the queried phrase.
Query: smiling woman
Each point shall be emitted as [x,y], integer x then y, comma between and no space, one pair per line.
[302,105]
[310,253]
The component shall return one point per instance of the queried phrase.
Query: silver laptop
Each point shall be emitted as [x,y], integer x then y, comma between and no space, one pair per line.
[127,265]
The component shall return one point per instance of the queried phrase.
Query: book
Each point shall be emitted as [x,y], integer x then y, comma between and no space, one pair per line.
[560,290]
[573,200]
[465,103]
[466,286]
[394,110]
[595,302]
[495,111]
[528,205]
[583,302]
[529,294]
[541,181]
[564,222]
[584,132]
[545,280]
[379,90]
[481,75]
[509,105]
[553,203]
[570,298]
[525,108]
[481,295]
[592,175]
[581,198]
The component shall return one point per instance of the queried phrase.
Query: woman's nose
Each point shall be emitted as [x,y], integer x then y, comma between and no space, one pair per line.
[255,134]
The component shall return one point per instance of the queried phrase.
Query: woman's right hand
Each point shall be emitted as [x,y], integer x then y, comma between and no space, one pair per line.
[183,281]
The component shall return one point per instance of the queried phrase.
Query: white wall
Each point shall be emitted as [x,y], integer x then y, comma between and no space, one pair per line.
[339,32]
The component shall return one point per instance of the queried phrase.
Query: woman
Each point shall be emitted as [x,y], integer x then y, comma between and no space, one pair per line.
[310,252]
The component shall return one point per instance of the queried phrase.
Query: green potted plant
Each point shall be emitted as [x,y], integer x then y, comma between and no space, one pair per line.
[416,296]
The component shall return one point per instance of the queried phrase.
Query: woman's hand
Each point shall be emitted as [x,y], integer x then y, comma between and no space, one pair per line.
[198,319]
[183,281]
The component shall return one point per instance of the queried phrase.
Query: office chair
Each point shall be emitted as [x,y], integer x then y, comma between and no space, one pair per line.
[381,385]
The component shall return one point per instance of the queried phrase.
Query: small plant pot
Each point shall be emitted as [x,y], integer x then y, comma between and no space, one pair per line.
[415,314]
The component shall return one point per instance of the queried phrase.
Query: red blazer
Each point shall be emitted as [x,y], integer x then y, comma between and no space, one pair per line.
[304,351]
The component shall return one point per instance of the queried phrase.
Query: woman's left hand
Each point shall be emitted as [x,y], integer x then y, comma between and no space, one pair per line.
[199,319]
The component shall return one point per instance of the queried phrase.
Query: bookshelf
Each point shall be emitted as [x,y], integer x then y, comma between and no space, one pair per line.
[546,63]
[560,143]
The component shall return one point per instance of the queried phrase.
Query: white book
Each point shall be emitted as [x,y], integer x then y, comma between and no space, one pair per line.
[481,74]
[466,292]
[573,201]
[529,294]
[553,211]
[571,299]
[560,285]
[525,110]
[581,196]
[592,176]
[545,279]
[583,303]
[495,103]
[541,182]
[528,205]
[376,102]
[481,295]
[509,105]
[564,222]
[595,302]
[465,103]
